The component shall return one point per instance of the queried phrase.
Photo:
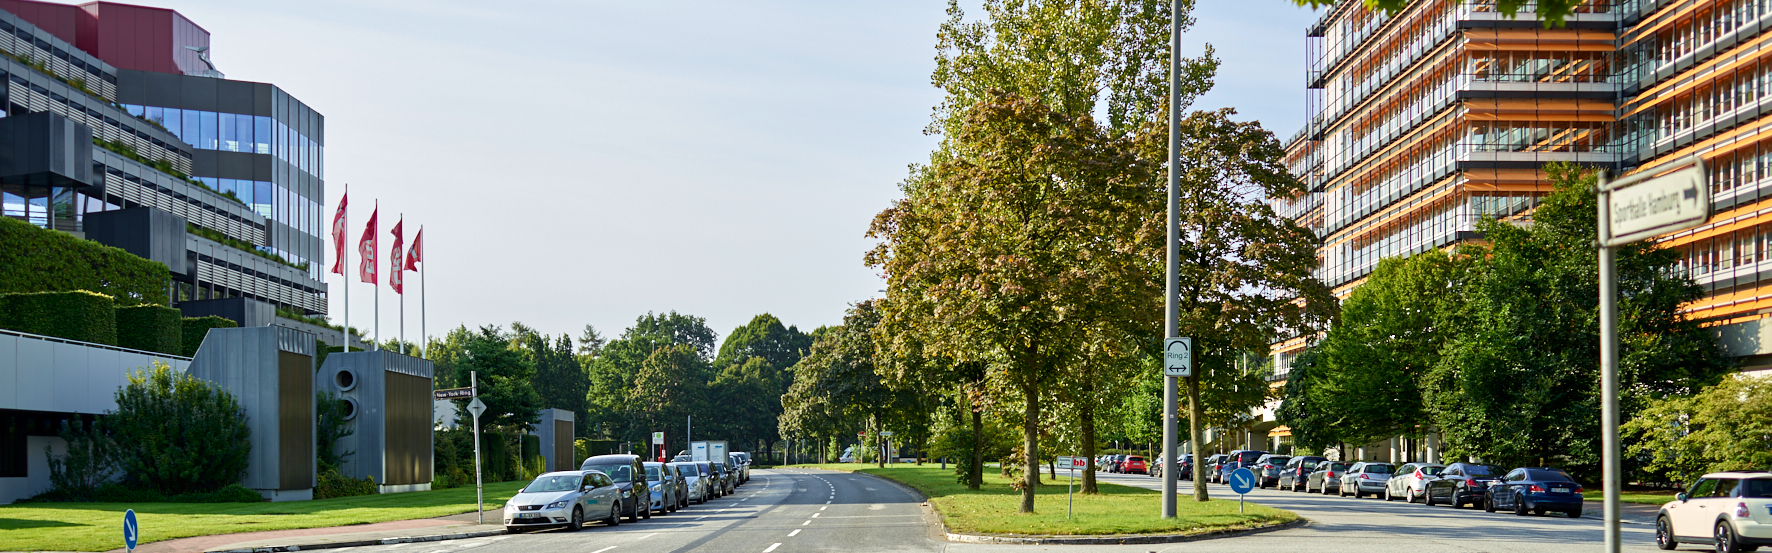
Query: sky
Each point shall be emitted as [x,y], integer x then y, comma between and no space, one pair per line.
[587,162]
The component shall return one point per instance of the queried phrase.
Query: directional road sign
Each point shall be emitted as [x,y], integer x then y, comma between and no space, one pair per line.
[657,438]
[476,408]
[1073,463]
[453,393]
[1654,203]
[131,532]
[886,433]
[1178,357]
[1242,480]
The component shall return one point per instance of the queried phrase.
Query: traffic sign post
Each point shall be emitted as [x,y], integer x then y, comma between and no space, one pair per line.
[1673,198]
[1178,356]
[476,407]
[1071,464]
[889,453]
[131,531]
[1242,481]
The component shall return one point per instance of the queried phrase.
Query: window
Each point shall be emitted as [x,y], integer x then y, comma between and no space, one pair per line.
[1726,487]
[1757,488]
[206,130]
[1702,489]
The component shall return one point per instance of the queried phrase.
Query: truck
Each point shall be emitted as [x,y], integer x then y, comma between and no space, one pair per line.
[711,451]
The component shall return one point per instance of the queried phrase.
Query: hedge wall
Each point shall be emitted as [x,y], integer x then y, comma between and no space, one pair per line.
[40,260]
[151,328]
[78,315]
[195,328]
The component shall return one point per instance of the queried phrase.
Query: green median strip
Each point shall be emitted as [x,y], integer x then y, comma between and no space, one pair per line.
[1116,511]
[99,526]
[1656,497]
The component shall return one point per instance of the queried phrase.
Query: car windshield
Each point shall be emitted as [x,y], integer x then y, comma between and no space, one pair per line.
[1756,487]
[1135,458]
[1337,466]
[689,470]
[561,483]
[1480,470]
[1378,468]
[1432,471]
[618,473]
[652,473]
[1547,476]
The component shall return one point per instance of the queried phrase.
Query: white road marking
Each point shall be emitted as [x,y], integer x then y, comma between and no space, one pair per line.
[806,523]
[700,517]
[646,536]
[796,532]
[824,507]
[814,515]
[604,549]
[771,548]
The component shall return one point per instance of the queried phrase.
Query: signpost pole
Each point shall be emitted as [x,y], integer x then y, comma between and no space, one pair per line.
[1070,497]
[1171,321]
[1609,463]
[479,487]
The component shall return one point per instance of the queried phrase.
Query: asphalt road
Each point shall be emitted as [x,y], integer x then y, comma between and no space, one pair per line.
[787,511]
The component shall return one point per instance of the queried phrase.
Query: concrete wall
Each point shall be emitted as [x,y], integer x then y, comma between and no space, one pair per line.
[550,433]
[247,362]
[362,379]
[41,373]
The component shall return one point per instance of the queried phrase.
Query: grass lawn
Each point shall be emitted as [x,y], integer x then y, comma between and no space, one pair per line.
[99,526]
[1117,510]
[1646,497]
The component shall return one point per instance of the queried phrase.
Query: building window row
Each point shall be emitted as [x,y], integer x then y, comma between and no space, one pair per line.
[1399,177]
[1539,136]
[1705,27]
[232,132]
[1374,73]
[1352,143]
[1511,66]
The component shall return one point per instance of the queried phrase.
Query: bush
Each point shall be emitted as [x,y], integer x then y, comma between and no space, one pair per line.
[185,435]
[333,484]
[496,458]
[1721,428]
[78,315]
[40,260]
[89,463]
[195,328]
[330,425]
[151,328]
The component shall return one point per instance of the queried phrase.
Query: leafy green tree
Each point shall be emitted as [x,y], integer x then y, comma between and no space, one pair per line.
[184,434]
[559,379]
[838,386]
[1520,383]
[1721,428]
[612,373]
[330,427]
[504,381]
[754,372]
[669,386]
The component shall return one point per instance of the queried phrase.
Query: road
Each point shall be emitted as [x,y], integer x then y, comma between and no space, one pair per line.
[789,511]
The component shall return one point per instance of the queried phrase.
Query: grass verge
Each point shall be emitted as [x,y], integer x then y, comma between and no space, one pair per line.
[1117,510]
[1645,497]
[99,526]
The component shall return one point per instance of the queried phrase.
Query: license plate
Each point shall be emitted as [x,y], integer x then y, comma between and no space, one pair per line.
[1559,490]
[528,515]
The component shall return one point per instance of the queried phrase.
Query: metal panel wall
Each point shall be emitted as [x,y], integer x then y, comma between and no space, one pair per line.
[408,432]
[249,363]
[563,450]
[295,420]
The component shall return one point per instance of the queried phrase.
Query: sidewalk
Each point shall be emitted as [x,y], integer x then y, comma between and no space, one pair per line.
[399,531]
[1628,512]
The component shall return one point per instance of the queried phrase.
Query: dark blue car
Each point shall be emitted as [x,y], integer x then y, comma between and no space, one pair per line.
[1535,490]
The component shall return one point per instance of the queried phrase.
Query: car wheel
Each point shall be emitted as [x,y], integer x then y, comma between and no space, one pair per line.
[1340,491]
[1664,534]
[1726,542]
[634,513]
[614,515]
[1519,507]
[1427,498]
[513,530]
[1575,513]
[578,520]
[1456,504]
[1360,494]
[1488,504]
[1409,495]
[647,512]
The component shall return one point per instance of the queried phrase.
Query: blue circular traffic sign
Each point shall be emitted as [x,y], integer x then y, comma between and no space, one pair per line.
[130,530]
[1242,480]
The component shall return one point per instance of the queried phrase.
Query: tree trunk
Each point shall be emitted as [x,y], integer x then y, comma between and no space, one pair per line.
[1030,436]
[1086,415]
[1193,428]
[879,454]
[975,473]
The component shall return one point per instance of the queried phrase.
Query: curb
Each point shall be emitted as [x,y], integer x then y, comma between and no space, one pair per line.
[1074,540]
[363,543]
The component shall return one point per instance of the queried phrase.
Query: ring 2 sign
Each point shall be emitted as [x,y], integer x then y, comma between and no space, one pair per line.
[1178,357]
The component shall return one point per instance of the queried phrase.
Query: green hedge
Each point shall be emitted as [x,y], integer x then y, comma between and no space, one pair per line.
[39,260]
[195,328]
[78,315]
[151,328]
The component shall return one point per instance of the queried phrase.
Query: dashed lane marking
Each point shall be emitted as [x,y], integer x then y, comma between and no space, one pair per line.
[796,532]
[814,515]
[604,549]
[824,507]
[806,523]
[771,548]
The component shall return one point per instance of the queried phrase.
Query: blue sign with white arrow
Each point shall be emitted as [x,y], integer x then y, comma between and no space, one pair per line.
[130,530]
[1242,480]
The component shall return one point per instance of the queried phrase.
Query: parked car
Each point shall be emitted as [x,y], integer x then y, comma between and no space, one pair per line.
[682,484]
[1242,458]
[1365,478]
[712,477]
[1535,490]
[662,487]
[1733,508]
[1134,465]
[1410,481]
[1212,465]
[743,460]
[1297,472]
[563,498]
[695,482]
[722,477]
[1327,475]
[1185,467]
[1461,483]
[1267,469]
[628,474]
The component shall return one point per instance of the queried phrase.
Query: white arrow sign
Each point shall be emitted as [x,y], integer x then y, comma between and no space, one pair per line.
[1178,357]
[1654,203]
[476,408]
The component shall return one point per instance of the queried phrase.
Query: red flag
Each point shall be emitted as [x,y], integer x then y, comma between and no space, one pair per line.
[338,236]
[395,259]
[366,250]
[415,253]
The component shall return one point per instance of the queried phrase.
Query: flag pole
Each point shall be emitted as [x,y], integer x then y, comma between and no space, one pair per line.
[344,266]
[425,346]
[377,340]
[400,268]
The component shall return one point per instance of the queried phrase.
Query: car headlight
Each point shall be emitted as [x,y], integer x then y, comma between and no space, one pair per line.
[558,504]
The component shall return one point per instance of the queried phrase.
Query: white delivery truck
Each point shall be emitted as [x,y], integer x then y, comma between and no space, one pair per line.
[711,450]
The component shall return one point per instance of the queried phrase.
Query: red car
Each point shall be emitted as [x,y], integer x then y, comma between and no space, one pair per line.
[1133,465]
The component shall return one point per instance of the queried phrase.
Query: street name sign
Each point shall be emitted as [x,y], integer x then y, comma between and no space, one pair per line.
[1653,203]
[453,393]
[886,433]
[476,408]
[1178,357]
[131,531]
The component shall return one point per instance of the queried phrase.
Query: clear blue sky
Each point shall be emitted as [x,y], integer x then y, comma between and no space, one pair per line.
[583,162]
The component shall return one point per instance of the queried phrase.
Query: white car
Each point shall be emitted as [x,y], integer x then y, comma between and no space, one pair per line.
[1410,481]
[1729,510]
[566,498]
[696,481]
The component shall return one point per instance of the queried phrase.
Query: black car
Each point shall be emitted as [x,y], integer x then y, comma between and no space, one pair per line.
[1461,483]
[1535,490]
[630,476]
[1267,469]
[1297,472]
[1212,465]
[1185,467]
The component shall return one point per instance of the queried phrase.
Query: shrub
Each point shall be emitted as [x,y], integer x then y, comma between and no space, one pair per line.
[78,315]
[185,434]
[496,458]
[330,427]
[39,260]
[195,328]
[333,484]
[1723,427]
[88,464]
[151,328]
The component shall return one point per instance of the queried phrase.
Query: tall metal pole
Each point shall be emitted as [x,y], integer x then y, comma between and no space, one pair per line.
[1610,471]
[1171,322]
[424,346]
[345,265]
[479,487]
[400,271]
[372,267]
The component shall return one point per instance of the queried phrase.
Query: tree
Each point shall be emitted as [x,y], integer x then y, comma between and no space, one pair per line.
[612,373]
[590,343]
[754,367]
[1552,12]
[669,386]
[559,379]
[1722,428]
[183,435]
[1520,383]
[838,385]
[1246,274]
[504,381]
[1024,241]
